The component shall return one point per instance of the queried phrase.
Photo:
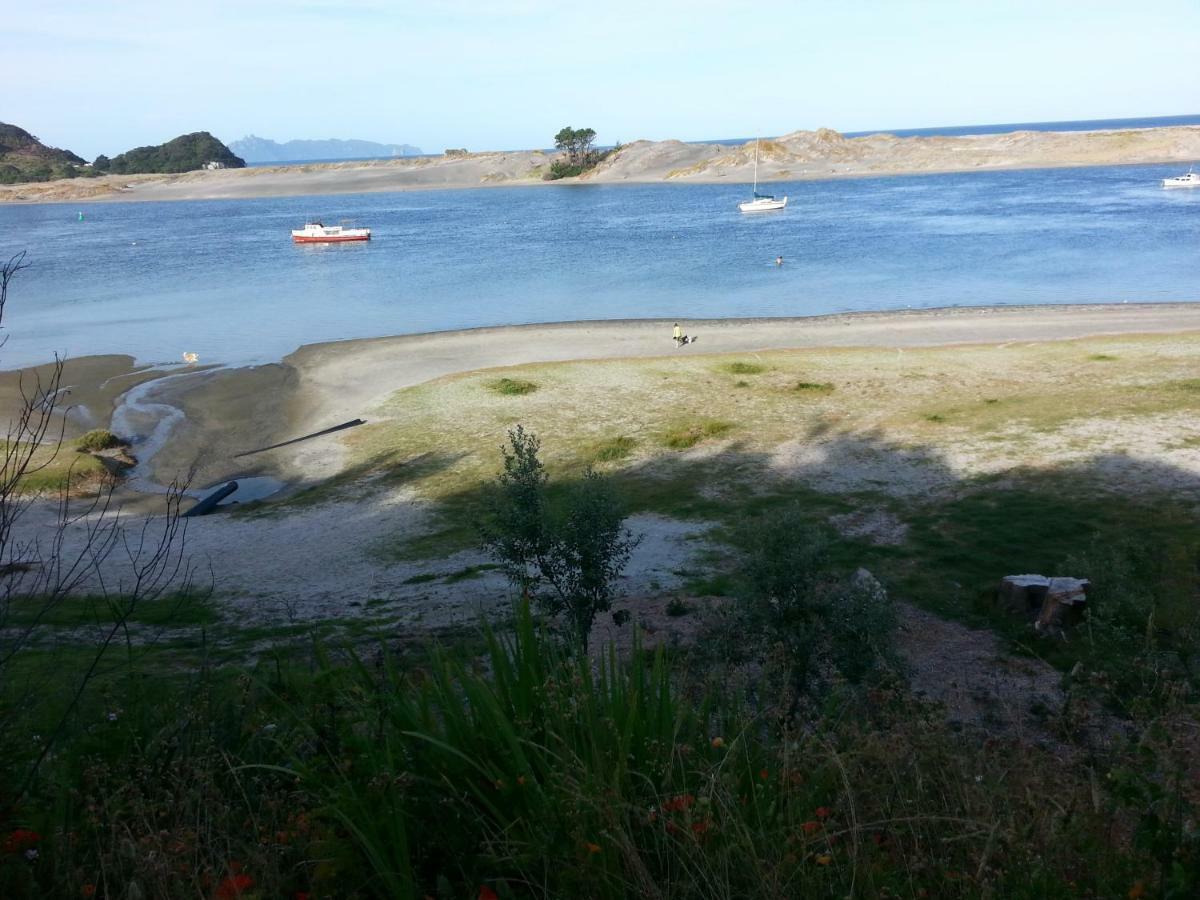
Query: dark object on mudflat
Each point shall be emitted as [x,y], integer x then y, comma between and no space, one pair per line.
[343,426]
[209,503]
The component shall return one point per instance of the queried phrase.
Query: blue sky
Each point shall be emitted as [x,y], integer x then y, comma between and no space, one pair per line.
[103,77]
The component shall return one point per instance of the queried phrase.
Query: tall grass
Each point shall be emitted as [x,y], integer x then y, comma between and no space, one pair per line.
[534,773]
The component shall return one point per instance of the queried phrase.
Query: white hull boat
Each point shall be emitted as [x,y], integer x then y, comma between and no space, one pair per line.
[316,233]
[761,202]
[1190,180]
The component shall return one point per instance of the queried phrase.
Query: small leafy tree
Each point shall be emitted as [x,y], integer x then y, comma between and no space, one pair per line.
[515,531]
[566,559]
[816,622]
[577,144]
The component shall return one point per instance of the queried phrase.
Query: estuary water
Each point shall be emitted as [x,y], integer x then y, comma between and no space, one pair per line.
[223,280]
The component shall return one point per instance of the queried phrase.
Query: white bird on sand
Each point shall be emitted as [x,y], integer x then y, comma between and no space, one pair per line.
[191,358]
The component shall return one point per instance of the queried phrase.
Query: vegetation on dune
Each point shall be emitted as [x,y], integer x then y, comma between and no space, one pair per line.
[579,157]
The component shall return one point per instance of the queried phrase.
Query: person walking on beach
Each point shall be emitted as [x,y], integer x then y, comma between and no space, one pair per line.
[677,335]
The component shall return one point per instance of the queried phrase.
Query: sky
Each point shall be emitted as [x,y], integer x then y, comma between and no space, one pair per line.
[104,77]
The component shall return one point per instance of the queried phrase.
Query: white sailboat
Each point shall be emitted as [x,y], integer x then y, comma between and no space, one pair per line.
[761,202]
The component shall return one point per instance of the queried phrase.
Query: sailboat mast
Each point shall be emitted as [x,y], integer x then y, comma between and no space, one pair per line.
[756,167]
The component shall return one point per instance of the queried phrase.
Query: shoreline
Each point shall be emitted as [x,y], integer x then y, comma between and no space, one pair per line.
[800,156]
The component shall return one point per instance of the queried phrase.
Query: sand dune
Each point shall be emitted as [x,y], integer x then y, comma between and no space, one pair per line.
[800,155]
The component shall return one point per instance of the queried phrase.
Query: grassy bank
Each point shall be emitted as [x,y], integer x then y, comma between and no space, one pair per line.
[529,773]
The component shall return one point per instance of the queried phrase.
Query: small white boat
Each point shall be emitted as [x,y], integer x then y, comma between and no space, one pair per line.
[316,233]
[761,202]
[1191,179]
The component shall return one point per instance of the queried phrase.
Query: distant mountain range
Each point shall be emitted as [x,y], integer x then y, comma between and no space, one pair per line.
[259,150]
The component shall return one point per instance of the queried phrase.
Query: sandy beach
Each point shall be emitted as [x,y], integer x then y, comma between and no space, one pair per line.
[797,156]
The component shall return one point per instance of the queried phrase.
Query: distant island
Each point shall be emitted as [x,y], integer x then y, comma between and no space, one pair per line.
[186,153]
[24,158]
[260,150]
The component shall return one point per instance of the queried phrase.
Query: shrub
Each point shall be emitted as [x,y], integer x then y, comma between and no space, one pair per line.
[1142,624]
[743,368]
[615,449]
[512,387]
[98,439]
[562,169]
[818,623]
[682,437]
[814,387]
[567,560]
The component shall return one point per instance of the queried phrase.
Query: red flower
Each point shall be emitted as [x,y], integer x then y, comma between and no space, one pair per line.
[811,827]
[763,774]
[823,812]
[700,827]
[234,886]
[680,803]
[88,890]
[486,893]
[21,839]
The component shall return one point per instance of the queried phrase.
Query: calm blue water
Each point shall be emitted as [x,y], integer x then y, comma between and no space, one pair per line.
[222,279]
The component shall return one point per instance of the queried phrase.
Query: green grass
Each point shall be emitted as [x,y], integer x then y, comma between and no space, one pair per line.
[502,762]
[1102,357]
[97,439]
[689,434]
[739,367]
[813,387]
[181,610]
[52,469]
[512,387]
[612,450]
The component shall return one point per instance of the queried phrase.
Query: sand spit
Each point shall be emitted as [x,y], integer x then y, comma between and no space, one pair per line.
[228,411]
[800,155]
